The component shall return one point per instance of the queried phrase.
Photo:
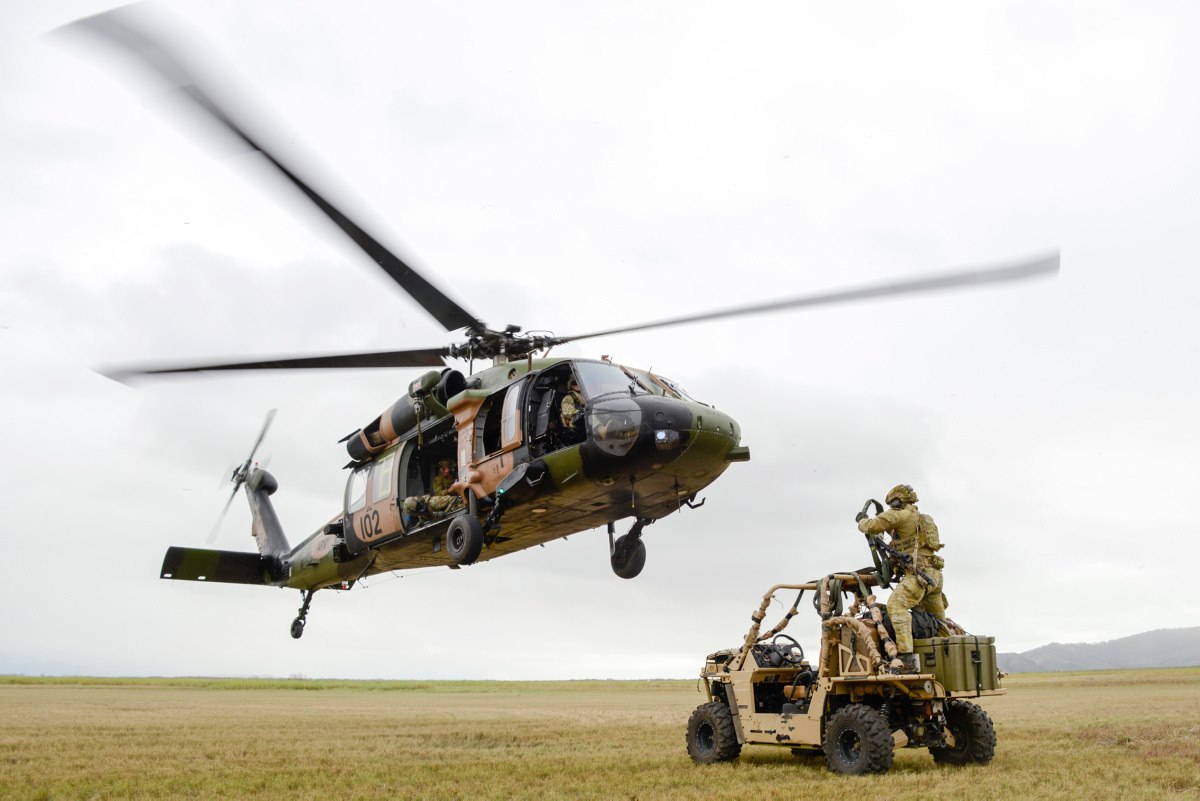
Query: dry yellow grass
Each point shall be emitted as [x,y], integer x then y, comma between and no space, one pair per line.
[1120,734]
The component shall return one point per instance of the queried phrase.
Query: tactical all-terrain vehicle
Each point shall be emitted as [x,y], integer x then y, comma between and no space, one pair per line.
[855,706]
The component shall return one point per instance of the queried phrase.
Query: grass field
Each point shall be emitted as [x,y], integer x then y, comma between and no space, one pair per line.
[1118,734]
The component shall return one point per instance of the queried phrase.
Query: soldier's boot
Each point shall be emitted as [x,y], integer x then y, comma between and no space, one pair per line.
[907,664]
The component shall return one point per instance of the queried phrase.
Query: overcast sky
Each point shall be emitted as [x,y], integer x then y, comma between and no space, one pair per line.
[574,167]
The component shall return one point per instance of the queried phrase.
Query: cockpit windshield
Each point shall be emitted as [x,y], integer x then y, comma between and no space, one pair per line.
[646,379]
[598,378]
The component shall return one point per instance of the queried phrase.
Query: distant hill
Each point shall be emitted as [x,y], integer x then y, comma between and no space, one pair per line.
[1159,648]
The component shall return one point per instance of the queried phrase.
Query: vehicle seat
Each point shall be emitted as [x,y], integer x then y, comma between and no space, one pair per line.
[801,685]
[542,421]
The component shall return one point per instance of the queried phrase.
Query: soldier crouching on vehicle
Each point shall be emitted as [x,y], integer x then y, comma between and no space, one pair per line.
[913,534]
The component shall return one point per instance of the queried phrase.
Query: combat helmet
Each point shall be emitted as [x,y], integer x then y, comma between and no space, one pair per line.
[901,495]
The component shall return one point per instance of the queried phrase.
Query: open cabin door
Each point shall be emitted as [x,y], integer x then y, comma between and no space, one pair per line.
[376,490]
[497,433]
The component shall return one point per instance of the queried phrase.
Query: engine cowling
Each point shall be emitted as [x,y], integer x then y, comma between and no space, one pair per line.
[426,400]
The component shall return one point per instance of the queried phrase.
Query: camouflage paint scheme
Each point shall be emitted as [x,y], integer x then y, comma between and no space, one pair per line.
[582,486]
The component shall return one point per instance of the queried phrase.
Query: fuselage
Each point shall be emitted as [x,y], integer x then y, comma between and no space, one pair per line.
[641,448]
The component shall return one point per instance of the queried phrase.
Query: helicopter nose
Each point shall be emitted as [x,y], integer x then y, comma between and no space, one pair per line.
[665,430]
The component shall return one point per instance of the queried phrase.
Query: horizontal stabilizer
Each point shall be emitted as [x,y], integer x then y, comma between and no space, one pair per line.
[227,567]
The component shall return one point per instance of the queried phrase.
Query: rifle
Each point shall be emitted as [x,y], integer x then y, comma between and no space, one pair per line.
[886,556]
[905,560]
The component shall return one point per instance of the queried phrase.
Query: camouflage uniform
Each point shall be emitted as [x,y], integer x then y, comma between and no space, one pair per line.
[441,483]
[912,592]
[437,503]
[572,407]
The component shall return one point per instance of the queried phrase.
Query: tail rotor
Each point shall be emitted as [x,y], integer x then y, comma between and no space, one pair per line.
[239,474]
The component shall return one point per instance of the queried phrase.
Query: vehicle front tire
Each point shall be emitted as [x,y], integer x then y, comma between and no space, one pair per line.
[974,735]
[857,741]
[628,557]
[711,736]
[464,539]
[297,628]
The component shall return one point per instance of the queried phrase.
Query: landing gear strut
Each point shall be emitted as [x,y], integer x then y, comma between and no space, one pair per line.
[628,554]
[298,623]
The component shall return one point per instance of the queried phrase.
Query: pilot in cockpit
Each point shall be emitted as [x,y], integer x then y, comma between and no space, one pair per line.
[571,413]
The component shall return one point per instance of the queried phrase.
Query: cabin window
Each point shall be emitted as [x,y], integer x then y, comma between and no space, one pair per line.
[356,489]
[383,484]
[510,429]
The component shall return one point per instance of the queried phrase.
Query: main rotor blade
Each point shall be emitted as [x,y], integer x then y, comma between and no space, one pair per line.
[216,529]
[130,31]
[430,357]
[1046,264]
[261,436]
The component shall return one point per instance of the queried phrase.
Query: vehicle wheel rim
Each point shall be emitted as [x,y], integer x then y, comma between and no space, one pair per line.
[849,746]
[962,739]
[456,540]
[706,737]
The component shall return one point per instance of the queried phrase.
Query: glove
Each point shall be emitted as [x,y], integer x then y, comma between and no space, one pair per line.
[861,516]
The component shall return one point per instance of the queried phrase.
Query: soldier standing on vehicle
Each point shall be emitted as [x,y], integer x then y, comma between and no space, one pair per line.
[915,535]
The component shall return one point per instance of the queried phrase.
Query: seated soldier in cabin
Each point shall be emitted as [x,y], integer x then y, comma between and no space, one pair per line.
[440,502]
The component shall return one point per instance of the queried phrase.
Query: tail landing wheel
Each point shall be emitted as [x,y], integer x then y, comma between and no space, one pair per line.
[298,623]
[628,554]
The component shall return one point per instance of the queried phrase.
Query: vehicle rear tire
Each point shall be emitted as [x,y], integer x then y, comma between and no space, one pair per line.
[857,741]
[711,736]
[974,735]
[628,557]
[464,539]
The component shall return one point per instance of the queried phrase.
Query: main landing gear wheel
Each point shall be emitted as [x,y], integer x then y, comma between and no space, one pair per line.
[298,623]
[628,556]
[464,539]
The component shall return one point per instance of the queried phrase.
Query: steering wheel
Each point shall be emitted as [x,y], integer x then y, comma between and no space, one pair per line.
[788,654]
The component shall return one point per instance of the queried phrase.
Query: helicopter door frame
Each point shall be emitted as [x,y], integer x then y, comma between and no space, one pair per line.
[372,509]
[544,409]
[494,466]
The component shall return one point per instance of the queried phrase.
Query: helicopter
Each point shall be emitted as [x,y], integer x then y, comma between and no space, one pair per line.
[467,467]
